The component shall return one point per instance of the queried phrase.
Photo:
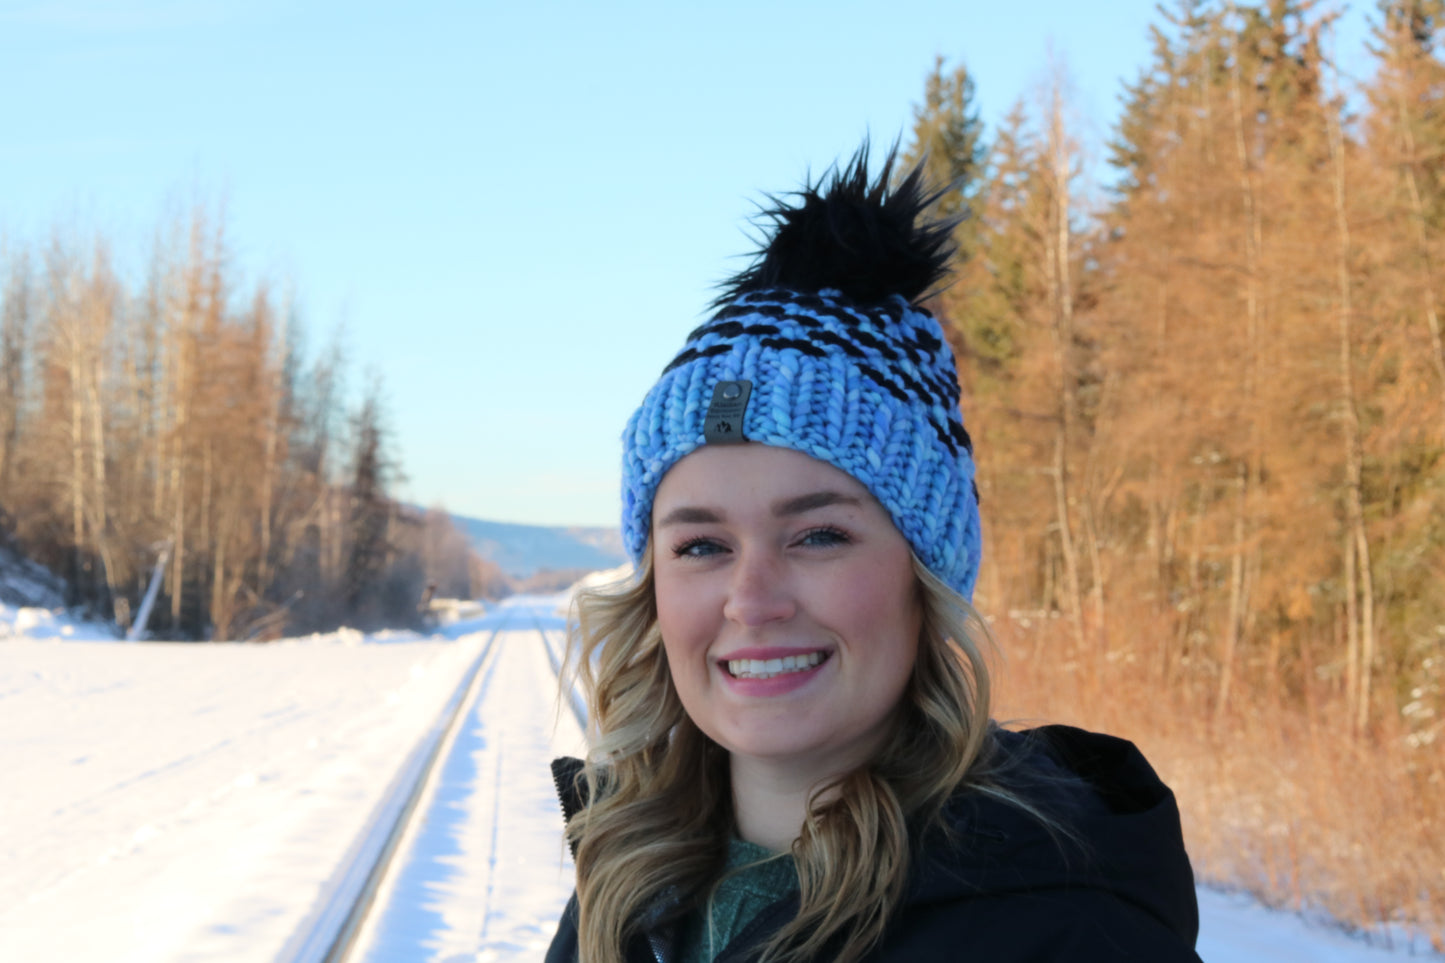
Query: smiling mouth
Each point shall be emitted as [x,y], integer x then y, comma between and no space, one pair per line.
[768,668]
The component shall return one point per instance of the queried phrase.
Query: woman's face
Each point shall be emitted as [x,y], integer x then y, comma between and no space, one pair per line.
[787,605]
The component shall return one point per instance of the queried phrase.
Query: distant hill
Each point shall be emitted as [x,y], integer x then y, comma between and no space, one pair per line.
[522,550]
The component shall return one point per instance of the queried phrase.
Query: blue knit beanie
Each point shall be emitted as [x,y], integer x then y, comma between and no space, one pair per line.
[820,347]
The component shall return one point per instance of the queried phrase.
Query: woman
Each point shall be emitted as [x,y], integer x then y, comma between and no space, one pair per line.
[792,757]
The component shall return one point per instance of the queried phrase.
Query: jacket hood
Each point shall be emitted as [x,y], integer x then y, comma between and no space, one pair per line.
[1115,829]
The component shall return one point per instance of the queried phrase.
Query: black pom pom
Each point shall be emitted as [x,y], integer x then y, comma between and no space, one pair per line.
[864,237]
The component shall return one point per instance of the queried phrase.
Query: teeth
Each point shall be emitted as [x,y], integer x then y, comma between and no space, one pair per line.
[767,668]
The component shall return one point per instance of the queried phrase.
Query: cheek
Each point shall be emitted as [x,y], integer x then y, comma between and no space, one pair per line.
[668,605]
[886,610]
[680,614]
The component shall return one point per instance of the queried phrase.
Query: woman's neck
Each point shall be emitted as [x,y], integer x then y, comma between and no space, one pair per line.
[771,796]
[770,801]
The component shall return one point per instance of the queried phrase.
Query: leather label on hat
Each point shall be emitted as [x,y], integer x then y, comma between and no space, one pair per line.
[724,422]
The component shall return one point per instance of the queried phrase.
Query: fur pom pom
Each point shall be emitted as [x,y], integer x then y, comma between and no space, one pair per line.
[847,231]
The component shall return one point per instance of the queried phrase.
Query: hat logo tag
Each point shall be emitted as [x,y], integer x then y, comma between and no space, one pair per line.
[723,424]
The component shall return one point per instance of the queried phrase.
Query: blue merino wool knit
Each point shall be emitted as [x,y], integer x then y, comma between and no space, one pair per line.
[871,390]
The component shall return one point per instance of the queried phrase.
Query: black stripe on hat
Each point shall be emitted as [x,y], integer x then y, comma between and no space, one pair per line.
[691,354]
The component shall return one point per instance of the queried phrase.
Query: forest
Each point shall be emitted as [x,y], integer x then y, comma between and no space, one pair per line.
[1208,402]
[177,423]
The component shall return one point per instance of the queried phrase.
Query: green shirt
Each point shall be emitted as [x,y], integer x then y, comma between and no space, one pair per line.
[753,879]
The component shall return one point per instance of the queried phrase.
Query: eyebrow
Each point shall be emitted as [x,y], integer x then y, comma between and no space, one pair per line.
[690,515]
[687,515]
[806,503]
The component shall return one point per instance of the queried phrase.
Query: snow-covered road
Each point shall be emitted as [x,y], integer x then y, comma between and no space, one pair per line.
[194,802]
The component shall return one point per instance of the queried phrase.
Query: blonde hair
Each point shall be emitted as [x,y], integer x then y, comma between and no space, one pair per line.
[656,831]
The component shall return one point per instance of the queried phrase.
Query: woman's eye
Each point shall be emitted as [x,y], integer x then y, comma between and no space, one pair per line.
[823,538]
[697,548]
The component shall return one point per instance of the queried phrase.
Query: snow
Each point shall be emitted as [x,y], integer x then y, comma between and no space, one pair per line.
[174,802]
[48,624]
[1233,928]
[189,802]
[487,874]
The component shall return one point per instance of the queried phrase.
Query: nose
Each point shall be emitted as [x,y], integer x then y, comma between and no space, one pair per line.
[758,591]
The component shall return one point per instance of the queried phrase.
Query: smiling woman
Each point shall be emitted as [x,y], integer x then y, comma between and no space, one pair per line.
[792,755]
[790,620]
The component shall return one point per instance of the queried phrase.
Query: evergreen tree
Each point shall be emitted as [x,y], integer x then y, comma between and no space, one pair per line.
[947,138]
[1404,241]
[370,509]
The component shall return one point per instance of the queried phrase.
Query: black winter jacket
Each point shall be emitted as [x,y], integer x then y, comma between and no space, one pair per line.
[1006,891]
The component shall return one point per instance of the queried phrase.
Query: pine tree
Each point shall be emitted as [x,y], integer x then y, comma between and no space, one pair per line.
[1404,241]
[1013,315]
[948,140]
[370,510]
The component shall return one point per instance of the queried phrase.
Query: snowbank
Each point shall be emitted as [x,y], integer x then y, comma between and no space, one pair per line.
[52,625]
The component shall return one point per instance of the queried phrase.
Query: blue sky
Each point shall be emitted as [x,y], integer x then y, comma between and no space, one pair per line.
[517,211]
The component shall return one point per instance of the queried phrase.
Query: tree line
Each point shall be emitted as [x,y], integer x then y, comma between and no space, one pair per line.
[175,423]
[1210,404]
